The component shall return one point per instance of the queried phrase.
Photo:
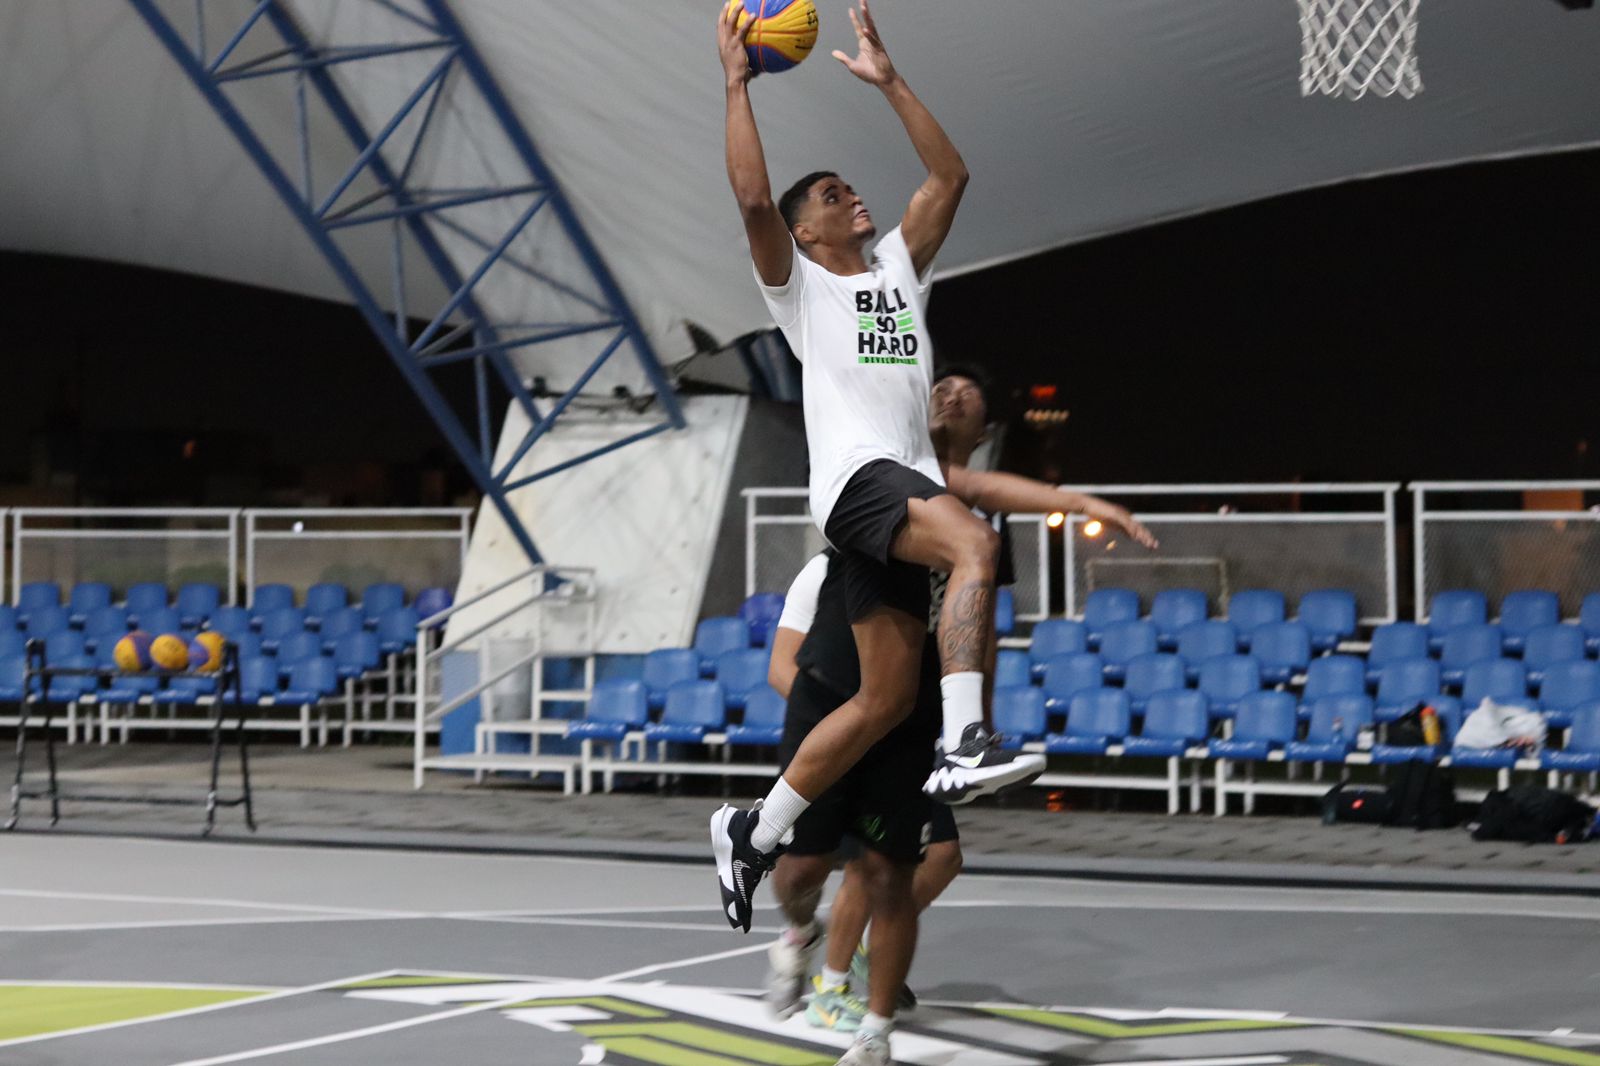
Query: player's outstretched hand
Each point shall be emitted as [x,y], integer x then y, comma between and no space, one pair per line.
[731,38]
[1130,525]
[871,63]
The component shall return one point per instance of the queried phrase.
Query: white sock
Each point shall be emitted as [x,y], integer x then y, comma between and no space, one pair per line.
[782,808]
[833,978]
[963,704]
[877,1023]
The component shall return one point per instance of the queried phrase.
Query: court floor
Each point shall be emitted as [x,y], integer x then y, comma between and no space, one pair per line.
[152,953]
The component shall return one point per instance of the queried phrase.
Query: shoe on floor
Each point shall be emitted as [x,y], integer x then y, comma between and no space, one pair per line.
[835,1008]
[870,1049]
[861,974]
[788,966]
[980,768]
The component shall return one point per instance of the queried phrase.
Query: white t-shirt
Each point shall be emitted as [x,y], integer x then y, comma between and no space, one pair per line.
[868,360]
[800,605]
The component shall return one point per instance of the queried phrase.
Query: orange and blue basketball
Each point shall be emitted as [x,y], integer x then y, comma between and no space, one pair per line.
[170,652]
[132,652]
[205,652]
[785,32]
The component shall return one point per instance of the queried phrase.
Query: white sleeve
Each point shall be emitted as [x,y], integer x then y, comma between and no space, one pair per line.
[784,301]
[800,605]
[893,248]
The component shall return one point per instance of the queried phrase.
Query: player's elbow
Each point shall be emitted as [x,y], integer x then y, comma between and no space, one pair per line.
[757,207]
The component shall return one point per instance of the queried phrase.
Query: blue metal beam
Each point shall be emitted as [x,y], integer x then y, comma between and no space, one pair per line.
[416,211]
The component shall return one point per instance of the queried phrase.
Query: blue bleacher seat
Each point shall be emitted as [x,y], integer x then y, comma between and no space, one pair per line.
[87,597]
[271,597]
[1333,675]
[62,644]
[664,668]
[1545,645]
[36,594]
[1331,734]
[1011,668]
[380,598]
[1465,645]
[280,624]
[1525,610]
[337,623]
[1501,680]
[1019,715]
[258,677]
[762,723]
[1149,674]
[1226,679]
[713,636]
[1005,611]
[1122,642]
[1106,607]
[1453,608]
[196,601]
[231,622]
[74,688]
[1202,640]
[325,597]
[430,601]
[355,653]
[1096,719]
[12,642]
[1249,608]
[693,709]
[760,610]
[397,630]
[106,624]
[145,596]
[1174,609]
[9,617]
[1330,615]
[12,671]
[1068,674]
[297,646]
[1403,685]
[1174,722]
[1448,709]
[1052,637]
[309,680]
[740,671]
[1566,687]
[1589,621]
[159,620]
[1264,722]
[766,632]
[184,690]
[1485,758]
[1392,643]
[43,621]
[1582,749]
[1283,650]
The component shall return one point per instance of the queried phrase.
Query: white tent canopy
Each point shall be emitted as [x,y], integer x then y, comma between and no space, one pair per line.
[1077,118]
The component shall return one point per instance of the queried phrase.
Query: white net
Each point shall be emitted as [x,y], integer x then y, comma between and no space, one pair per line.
[1355,47]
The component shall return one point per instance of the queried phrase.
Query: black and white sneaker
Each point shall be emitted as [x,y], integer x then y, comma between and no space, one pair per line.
[979,768]
[740,866]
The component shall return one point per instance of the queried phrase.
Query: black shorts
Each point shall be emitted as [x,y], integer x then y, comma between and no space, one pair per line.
[879,800]
[866,518]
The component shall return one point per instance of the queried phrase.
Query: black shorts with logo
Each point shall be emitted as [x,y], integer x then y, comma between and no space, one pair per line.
[879,801]
[865,520]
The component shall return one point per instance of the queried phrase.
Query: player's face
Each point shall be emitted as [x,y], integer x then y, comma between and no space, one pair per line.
[956,408]
[835,215]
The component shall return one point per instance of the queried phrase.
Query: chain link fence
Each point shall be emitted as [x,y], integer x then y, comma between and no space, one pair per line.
[124,547]
[416,548]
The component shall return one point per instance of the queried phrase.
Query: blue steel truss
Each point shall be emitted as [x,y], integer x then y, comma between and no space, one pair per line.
[462,329]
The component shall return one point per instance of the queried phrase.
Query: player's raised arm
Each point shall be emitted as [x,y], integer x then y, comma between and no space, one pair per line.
[995,491]
[933,209]
[770,244]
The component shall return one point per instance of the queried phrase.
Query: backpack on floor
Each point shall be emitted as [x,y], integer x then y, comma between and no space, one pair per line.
[1422,796]
[1535,814]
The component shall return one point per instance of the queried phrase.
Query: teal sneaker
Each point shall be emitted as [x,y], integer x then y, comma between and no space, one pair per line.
[860,969]
[834,1008]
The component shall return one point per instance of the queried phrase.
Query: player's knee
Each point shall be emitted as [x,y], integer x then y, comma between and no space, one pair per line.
[887,706]
[978,549]
[945,860]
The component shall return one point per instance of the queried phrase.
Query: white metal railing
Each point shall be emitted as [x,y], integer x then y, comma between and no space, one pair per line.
[386,543]
[559,588]
[1294,551]
[146,544]
[1497,550]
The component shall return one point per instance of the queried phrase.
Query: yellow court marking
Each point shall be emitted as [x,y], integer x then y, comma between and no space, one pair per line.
[35,1010]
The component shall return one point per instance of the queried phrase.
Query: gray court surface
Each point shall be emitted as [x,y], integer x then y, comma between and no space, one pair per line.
[346,955]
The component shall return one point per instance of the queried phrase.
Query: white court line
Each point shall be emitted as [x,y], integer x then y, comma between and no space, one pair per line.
[177,985]
[202,901]
[1244,1060]
[581,912]
[1254,908]
[601,923]
[658,967]
[176,923]
[357,1034]
[269,997]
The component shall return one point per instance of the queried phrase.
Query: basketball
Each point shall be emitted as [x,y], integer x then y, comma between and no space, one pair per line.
[784,34]
[170,652]
[205,652]
[132,652]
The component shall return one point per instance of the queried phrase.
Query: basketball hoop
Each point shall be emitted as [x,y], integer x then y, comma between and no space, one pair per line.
[1353,47]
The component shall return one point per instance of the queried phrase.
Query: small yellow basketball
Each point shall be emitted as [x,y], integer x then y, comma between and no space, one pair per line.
[170,652]
[784,34]
[212,642]
[132,652]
